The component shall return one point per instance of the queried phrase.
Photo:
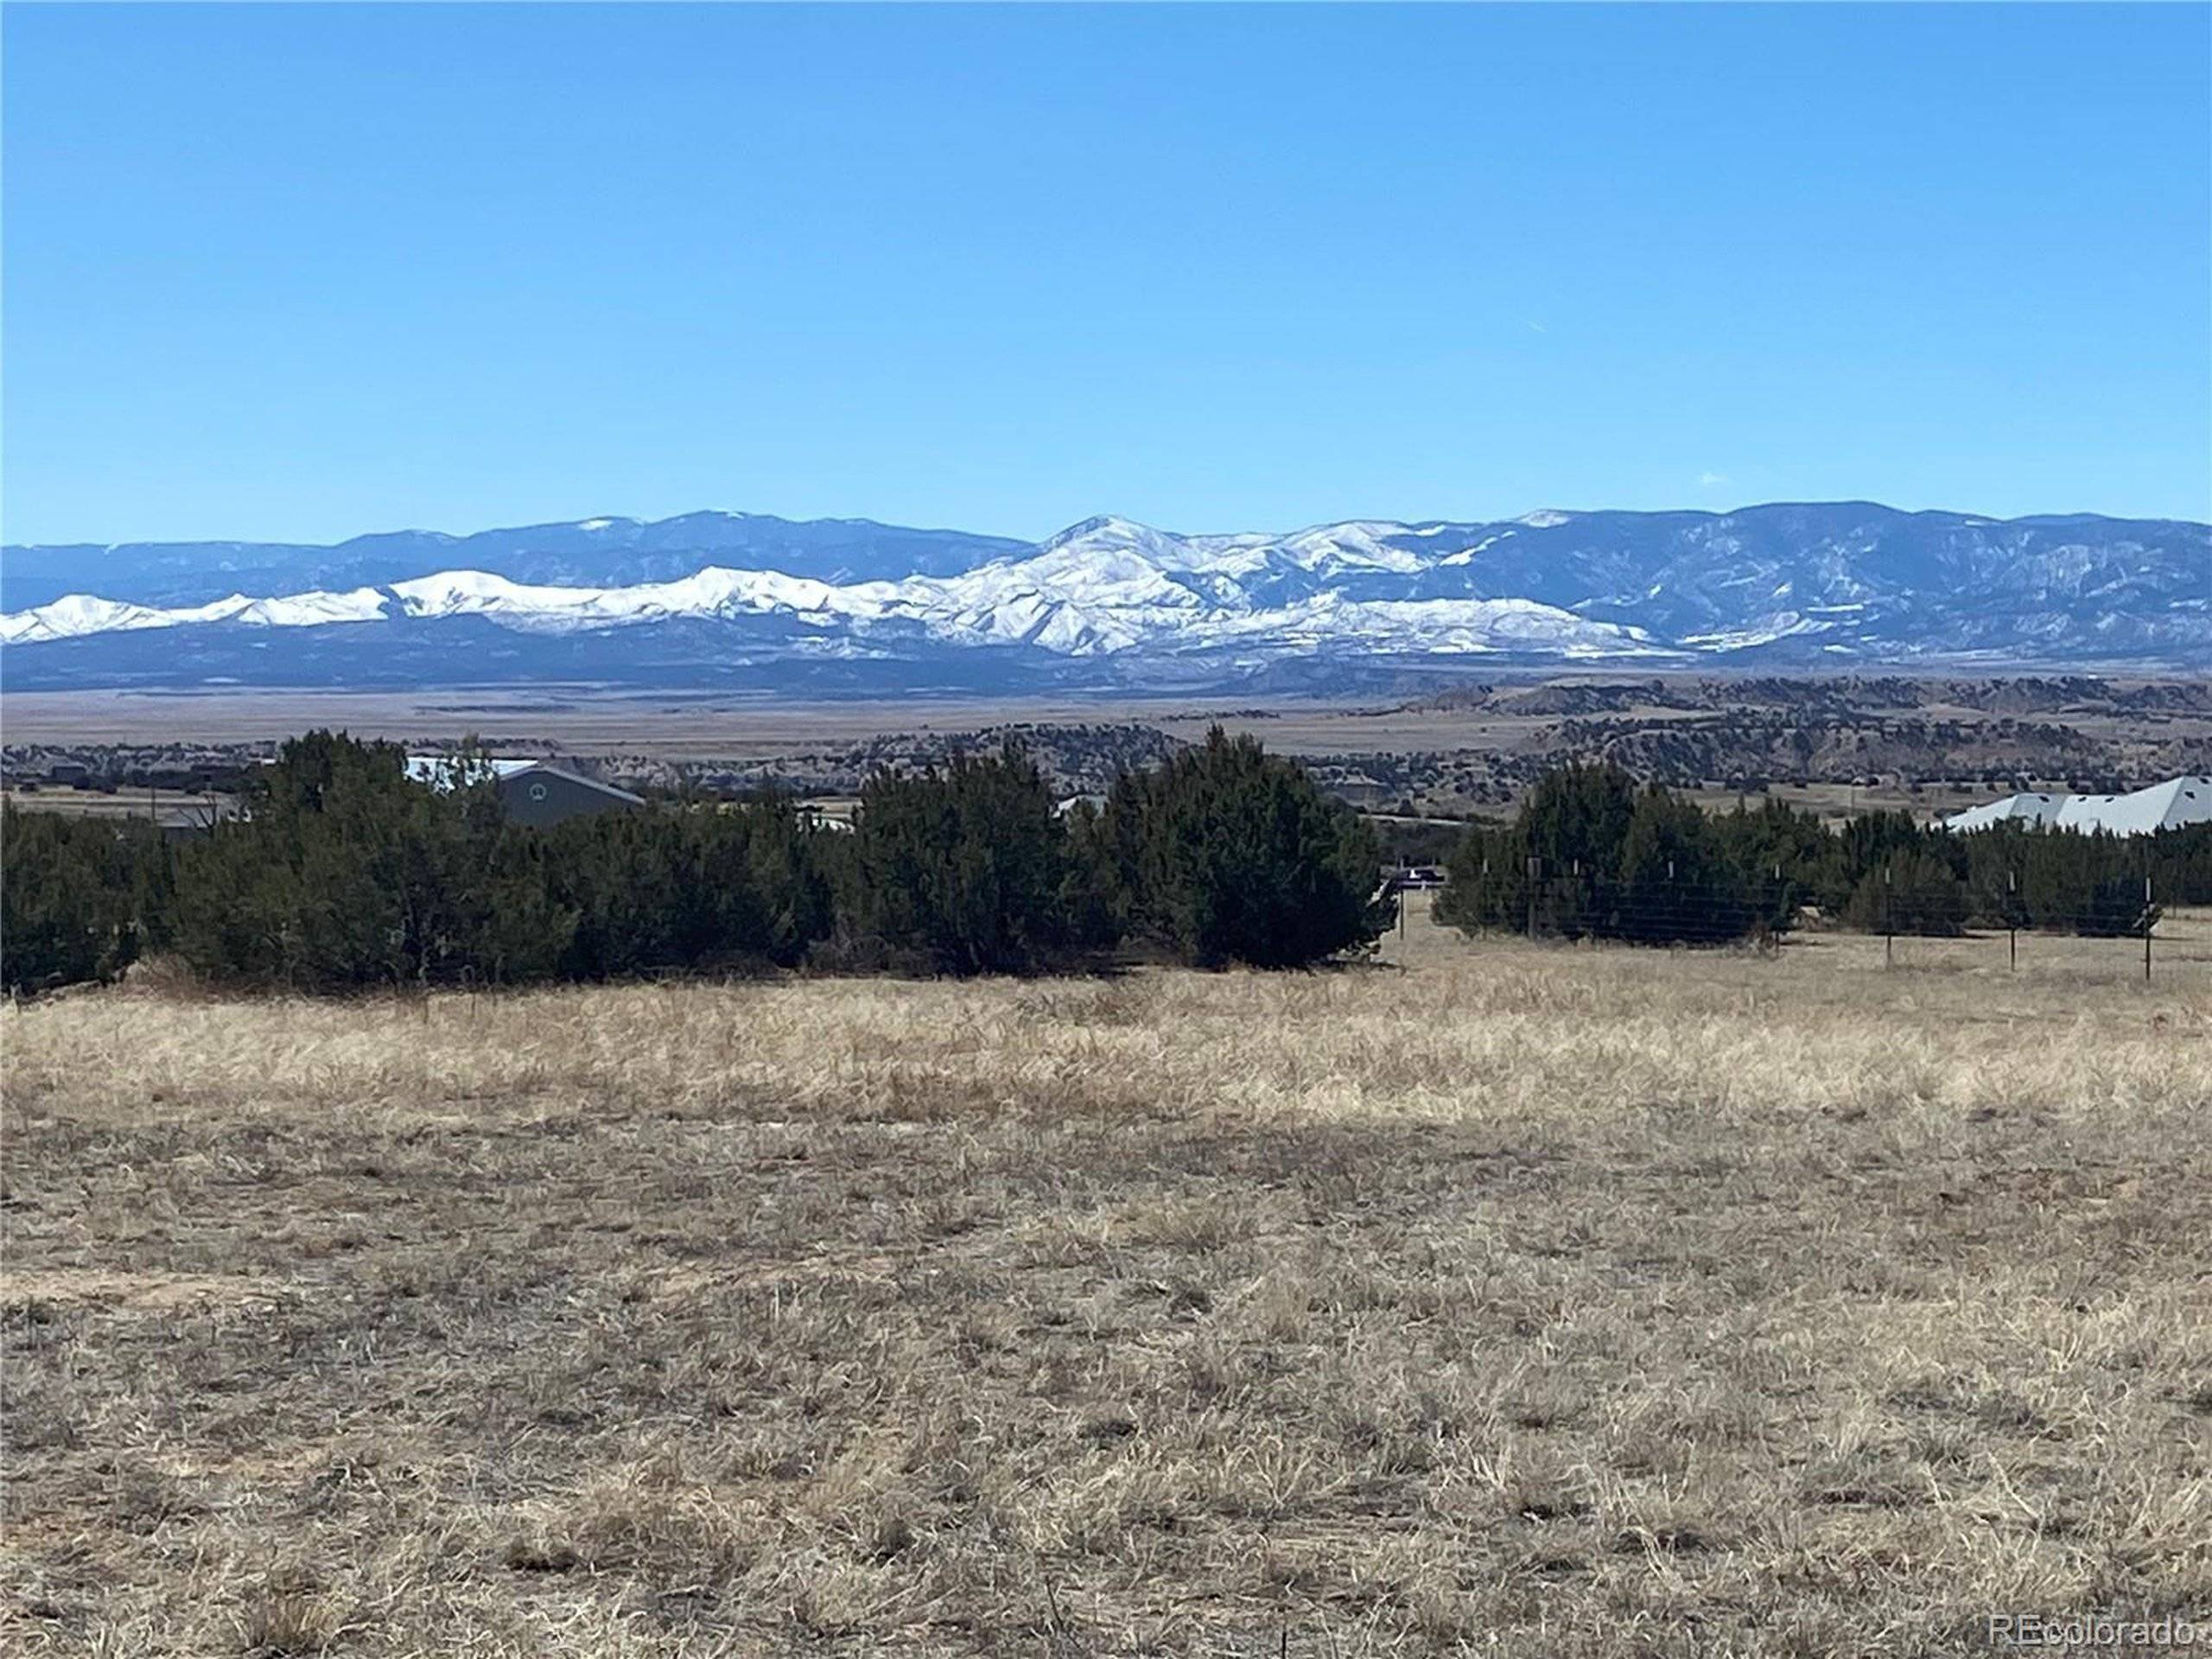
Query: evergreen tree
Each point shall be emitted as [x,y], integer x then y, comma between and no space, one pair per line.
[1591,856]
[963,871]
[342,873]
[2114,906]
[1228,855]
[687,889]
[1676,883]
[1486,886]
[78,897]
[1913,893]
[1786,858]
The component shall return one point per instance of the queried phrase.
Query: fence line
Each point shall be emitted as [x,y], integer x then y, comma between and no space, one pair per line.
[1574,905]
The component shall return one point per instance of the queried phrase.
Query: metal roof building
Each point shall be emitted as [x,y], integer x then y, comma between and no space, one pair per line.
[534,792]
[2013,808]
[2174,804]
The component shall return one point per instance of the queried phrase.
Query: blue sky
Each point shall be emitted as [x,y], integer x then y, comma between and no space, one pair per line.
[301,272]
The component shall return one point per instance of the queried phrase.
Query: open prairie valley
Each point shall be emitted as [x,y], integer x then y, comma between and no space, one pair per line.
[1459,746]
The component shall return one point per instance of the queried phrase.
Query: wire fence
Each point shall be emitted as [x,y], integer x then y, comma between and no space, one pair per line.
[1887,926]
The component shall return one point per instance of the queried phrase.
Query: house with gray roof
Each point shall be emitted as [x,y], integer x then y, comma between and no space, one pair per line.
[534,792]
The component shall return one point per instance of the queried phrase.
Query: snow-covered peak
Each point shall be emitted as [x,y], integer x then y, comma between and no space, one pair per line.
[1110,542]
[1782,580]
[713,591]
[1109,524]
[1094,594]
[1110,533]
[1356,544]
[76,616]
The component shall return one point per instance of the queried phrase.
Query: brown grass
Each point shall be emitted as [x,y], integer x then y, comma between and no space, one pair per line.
[1496,1297]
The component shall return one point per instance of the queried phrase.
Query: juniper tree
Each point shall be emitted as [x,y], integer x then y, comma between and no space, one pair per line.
[1230,854]
[78,897]
[965,870]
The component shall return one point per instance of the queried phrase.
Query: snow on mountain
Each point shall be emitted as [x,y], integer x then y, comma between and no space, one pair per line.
[75,615]
[1820,581]
[1106,587]
[1436,626]
[78,616]
[312,610]
[1782,625]
[710,592]
[1354,546]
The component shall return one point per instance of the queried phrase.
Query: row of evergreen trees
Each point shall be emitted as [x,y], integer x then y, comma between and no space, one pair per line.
[1591,855]
[343,873]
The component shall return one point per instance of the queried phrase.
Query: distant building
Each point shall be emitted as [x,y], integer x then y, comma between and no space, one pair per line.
[2174,804]
[195,820]
[2013,808]
[535,792]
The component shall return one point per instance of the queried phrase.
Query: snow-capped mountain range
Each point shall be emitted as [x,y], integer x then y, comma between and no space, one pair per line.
[710,597]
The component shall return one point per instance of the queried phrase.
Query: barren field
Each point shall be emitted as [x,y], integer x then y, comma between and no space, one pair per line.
[586,719]
[581,718]
[1836,746]
[1491,1297]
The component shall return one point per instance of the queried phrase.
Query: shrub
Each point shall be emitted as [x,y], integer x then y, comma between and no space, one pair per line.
[1230,854]
[1913,893]
[75,897]
[668,889]
[343,873]
[965,871]
[2115,906]
[1591,856]
[1675,883]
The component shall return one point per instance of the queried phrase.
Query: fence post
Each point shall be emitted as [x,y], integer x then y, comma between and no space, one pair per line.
[1889,933]
[2147,929]
[2013,921]
[1536,871]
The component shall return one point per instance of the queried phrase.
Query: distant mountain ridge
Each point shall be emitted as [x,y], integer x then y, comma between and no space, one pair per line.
[595,551]
[716,598]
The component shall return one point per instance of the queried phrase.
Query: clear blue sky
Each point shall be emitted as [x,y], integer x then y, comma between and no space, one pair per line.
[301,272]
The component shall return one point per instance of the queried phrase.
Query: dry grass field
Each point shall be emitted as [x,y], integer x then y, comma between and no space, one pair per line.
[1493,1297]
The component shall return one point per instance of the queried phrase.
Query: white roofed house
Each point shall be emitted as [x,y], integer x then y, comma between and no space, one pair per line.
[2174,805]
[534,792]
[2024,808]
